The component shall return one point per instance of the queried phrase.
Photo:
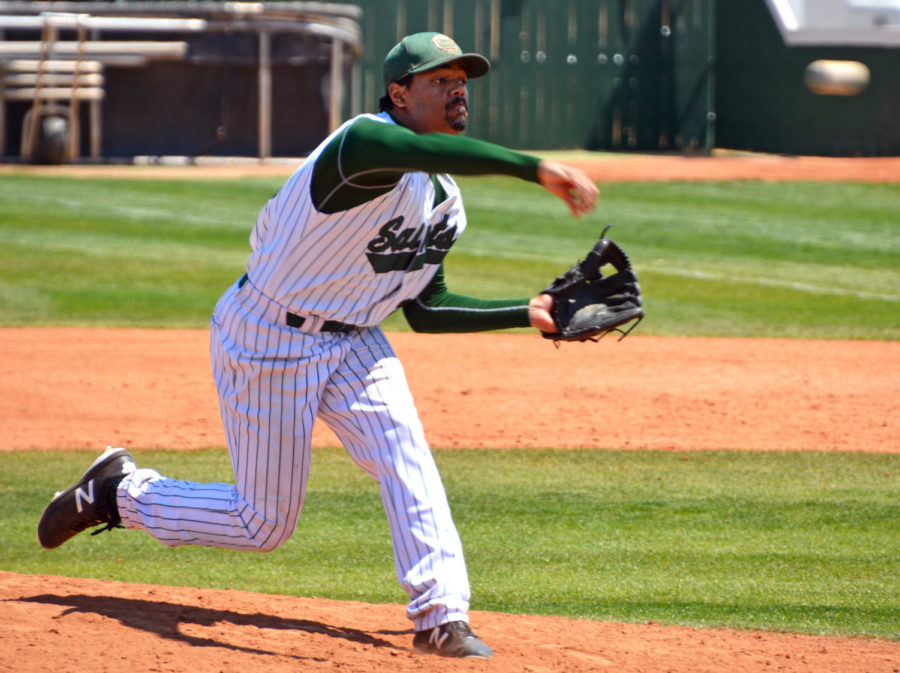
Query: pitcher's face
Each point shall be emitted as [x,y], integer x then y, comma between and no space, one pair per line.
[435,101]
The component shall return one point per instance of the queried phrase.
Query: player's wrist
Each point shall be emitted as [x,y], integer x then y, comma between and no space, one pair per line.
[539,313]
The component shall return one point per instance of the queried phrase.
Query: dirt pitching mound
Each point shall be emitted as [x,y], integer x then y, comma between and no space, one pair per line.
[53,624]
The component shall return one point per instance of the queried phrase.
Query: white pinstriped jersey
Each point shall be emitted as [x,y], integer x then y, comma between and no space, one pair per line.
[274,380]
[357,265]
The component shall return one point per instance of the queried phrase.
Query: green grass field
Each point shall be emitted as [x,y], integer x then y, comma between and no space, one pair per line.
[797,260]
[781,541]
[787,541]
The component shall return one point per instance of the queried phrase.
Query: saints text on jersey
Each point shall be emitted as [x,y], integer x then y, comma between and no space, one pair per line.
[399,248]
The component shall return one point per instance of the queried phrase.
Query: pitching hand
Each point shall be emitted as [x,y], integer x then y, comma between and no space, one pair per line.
[570,184]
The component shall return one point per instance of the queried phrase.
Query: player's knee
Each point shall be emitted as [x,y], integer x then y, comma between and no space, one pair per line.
[269,537]
[267,532]
[269,545]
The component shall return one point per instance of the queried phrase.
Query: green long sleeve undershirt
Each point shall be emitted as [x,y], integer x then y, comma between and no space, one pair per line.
[369,158]
[438,310]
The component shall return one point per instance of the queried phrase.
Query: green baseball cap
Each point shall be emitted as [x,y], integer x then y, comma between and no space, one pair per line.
[425,51]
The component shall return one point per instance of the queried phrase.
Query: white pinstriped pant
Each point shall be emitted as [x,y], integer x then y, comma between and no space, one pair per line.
[273,381]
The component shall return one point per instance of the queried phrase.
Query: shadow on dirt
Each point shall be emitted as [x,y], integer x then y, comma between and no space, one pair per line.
[166,620]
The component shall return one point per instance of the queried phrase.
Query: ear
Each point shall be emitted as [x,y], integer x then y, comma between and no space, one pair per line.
[397,94]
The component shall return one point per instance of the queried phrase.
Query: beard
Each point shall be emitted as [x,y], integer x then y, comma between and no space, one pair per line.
[458,119]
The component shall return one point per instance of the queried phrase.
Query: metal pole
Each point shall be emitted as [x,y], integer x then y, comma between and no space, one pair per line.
[711,114]
[96,114]
[336,80]
[355,89]
[2,114]
[265,95]
[73,136]
[30,134]
[96,133]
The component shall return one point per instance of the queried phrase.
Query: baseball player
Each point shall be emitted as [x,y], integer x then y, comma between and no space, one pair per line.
[360,229]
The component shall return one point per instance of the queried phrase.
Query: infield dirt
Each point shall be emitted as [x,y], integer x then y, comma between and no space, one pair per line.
[147,388]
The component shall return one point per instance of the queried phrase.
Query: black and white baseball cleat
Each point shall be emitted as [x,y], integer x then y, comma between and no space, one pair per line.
[90,502]
[454,639]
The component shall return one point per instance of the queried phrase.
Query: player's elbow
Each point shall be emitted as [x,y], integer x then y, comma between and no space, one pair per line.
[419,318]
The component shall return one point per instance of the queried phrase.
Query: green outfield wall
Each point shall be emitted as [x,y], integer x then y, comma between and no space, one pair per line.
[569,74]
[650,75]
[619,75]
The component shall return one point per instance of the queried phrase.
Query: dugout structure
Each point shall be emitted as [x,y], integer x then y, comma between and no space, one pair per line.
[180,78]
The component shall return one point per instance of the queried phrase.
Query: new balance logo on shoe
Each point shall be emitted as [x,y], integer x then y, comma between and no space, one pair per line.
[454,639]
[438,638]
[89,502]
[81,494]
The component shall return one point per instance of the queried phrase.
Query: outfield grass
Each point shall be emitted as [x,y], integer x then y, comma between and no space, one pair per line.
[806,260]
[781,541]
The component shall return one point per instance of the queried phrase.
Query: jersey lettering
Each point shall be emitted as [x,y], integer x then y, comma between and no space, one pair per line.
[400,249]
[389,238]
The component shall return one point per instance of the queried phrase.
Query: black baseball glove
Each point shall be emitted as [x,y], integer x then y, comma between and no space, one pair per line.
[588,305]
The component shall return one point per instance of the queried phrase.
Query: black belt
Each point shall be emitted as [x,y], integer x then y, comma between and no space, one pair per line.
[294,320]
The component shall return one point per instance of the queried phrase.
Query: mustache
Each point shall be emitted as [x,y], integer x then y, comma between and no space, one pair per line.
[456,101]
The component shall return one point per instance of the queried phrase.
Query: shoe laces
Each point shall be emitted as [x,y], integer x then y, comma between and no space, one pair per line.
[458,628]
[106,527]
